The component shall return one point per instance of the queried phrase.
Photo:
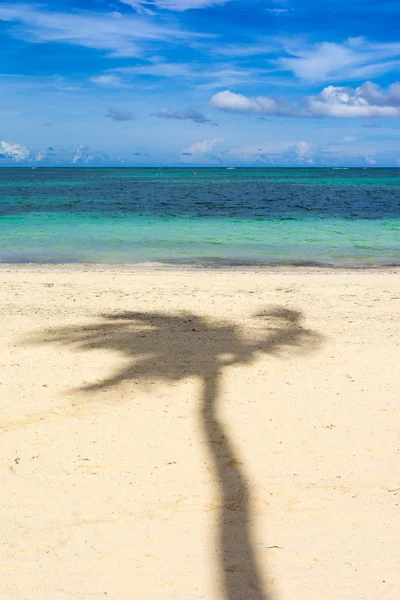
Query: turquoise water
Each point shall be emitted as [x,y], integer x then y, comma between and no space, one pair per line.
[214,217]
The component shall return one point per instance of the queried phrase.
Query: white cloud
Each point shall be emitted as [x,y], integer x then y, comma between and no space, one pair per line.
[291,153]
[176,5]
[260,105]
[107,80]
[207,77]
[119,35]
[82,155]
[303,151]
[277,11]
[44,154]
[139,6]
[201,148]
[13,152]
[245,50]
[367,101]
[161,69]
[231,102]
[273,152]
[225,76]
[353,59]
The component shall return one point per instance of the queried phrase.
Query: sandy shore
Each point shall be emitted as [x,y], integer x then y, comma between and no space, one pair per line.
[193,434]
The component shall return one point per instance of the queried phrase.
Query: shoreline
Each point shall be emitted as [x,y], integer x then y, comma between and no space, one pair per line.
[189,268]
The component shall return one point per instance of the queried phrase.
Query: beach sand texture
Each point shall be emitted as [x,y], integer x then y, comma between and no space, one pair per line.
[181,434]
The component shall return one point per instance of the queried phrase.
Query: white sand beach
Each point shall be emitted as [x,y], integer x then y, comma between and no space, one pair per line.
[196,434]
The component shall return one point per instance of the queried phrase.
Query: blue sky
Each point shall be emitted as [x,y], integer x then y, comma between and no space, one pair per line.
[200,82]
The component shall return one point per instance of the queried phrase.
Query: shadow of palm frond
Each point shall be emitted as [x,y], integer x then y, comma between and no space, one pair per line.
[171,347]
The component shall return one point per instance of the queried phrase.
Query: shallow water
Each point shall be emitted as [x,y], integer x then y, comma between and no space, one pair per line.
[217,216]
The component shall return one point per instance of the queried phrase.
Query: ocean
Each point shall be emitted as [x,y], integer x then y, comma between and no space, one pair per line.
[204,216]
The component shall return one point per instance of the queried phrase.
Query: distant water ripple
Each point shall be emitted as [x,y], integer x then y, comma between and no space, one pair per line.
[214,217]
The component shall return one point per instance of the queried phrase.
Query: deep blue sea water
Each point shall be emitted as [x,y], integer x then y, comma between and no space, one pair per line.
[219,216]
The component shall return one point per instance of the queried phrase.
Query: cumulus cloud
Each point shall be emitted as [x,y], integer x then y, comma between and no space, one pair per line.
[119,114]
[258,105]
[82,155]
[201,148]
[294,153]
[13,152]
[186,115]
[279,153]
[366,101]
[44,154]
[303,152]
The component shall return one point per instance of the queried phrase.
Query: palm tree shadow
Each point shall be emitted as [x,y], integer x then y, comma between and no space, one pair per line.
[172,347]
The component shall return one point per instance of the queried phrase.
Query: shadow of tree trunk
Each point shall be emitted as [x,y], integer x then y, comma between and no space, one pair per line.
[162,347]
[238,565]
